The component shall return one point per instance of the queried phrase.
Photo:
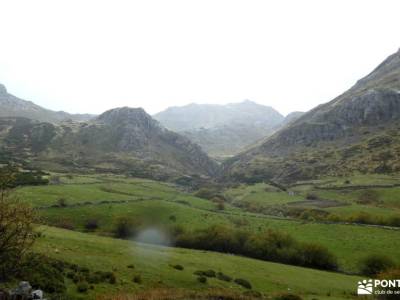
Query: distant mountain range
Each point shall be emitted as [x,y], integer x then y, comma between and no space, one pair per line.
[224,130]
[12,106]
[359,131]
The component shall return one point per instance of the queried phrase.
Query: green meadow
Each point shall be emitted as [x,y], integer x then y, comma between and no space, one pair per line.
[128,259]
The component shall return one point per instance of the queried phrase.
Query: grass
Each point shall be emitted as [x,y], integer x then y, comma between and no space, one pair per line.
[153,203]
[154,263]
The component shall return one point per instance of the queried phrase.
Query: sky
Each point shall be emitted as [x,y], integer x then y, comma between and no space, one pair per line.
[90,56]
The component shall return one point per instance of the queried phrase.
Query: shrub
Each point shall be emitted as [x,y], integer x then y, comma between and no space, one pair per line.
[178,267]
[65,224]
[252,294]
[208,273]
[172,218]
[137,279]
[394,221]
[224,277]
[318,257]
[312,197]
[243,282]
[206,193]
[125,227]
[202,279]
[93,278]
[82,287]
[43,273]
[368,197]
[62,202]
[287,296]
[112,279]
[16,229]
[91,224]
[375,264]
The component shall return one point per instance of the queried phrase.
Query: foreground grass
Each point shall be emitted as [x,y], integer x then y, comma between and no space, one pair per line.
[153,264]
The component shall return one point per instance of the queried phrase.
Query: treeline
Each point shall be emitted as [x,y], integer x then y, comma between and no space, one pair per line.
[14,177]
[270,245]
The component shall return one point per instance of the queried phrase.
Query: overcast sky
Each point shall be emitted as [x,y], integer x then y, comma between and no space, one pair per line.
[90,56]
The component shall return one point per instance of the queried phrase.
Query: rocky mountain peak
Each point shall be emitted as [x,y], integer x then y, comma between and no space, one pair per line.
[127,116]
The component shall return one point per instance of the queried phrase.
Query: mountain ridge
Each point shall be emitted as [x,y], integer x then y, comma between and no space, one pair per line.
[325,135]
[12,106]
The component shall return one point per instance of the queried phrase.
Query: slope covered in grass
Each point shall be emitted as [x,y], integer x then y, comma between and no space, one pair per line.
[153,264]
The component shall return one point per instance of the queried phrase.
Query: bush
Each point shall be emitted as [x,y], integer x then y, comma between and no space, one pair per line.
[312,197]
[82,287]
[375,264]
[93,278]
[91,224]
[223,277]
[43,273]
[243,282]
[206,193]
[368,197]
[17,233]
[112,279]
[137,279]
[178,267]
[202,279]
[208,273]
[125,227]
[287,296]
[65,223]
[62,202]
[394,221]
[319,257]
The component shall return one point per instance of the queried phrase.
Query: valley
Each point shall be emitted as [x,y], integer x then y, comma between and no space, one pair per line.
[203,201]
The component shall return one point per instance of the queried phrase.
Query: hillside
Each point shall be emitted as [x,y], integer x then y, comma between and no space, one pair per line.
[11,106]
[154,265]
[342,136]
[222,129]
[124,139]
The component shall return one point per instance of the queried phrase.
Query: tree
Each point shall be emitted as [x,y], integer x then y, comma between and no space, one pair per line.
[16,227]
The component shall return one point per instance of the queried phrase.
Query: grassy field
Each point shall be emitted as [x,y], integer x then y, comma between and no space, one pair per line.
[153,264]
[343,197]
[106,198]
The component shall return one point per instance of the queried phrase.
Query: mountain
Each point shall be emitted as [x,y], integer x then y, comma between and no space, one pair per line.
[222,129]
[11,106]
[356,132]
[123,140]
